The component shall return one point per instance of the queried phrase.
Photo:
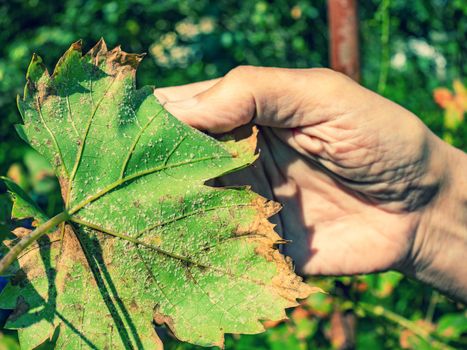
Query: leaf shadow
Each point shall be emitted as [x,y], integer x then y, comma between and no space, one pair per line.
[47,307]
[76,83]
[106,286]
[126,328]
[51,274]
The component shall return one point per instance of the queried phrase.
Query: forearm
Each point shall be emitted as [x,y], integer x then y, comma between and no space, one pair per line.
[439,255]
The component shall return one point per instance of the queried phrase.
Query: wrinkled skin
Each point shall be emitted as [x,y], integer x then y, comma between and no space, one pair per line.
[355,172]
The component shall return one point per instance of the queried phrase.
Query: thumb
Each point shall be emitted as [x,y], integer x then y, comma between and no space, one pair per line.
[220,108]
[276,97]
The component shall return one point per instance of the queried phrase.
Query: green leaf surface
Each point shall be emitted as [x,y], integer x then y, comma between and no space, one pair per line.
[452,325]
[23,206]
[146,240]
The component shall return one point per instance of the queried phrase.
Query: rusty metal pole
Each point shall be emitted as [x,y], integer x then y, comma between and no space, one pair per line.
[345,58]
[343,30]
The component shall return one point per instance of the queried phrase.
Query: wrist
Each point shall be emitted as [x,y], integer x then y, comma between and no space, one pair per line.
[440,243]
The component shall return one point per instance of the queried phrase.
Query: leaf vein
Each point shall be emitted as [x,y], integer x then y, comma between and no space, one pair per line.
[166,253]
[119,182]
[135,143]
[83,141]
[51,134]
[194,212]
[71,116]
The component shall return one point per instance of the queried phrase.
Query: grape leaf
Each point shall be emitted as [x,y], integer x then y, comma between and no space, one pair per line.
[144,239]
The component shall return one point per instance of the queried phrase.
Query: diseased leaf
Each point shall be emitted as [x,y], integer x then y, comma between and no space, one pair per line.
[145,239]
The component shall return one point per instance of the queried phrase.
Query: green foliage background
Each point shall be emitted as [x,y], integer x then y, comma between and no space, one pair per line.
[408,48]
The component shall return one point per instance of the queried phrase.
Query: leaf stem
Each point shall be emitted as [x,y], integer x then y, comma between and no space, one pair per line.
[29,239]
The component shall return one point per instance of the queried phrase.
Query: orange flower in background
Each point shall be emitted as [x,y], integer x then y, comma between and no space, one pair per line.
[443,97]
[454,104]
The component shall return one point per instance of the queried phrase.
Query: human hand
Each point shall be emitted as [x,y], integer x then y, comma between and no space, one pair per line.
[355,172]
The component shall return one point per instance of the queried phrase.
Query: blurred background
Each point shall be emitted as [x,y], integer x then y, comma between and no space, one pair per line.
[413,52]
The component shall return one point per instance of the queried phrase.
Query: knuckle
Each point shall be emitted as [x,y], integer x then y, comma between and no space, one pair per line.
[330,75]
[332,83]
[241,71]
